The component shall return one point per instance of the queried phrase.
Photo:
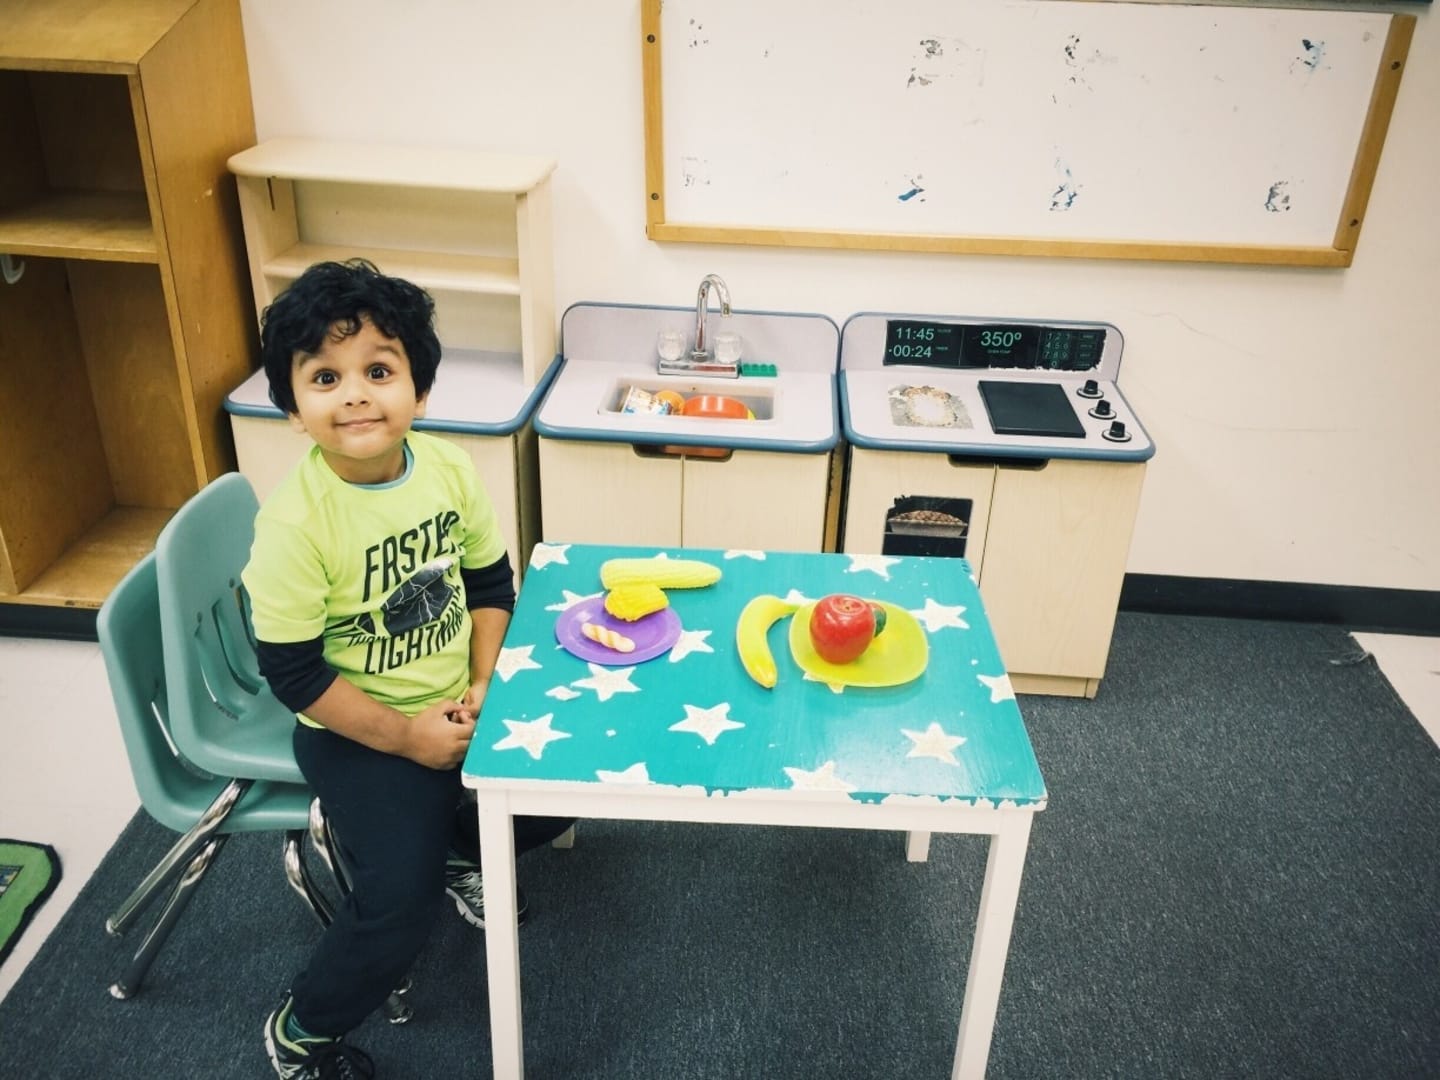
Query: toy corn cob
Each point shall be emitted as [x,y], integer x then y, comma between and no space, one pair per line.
[607,637]
[664,573]
[631,602]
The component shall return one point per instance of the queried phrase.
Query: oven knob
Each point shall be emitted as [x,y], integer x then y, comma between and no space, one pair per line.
[1091,389]
[1116,432]
[1102,410]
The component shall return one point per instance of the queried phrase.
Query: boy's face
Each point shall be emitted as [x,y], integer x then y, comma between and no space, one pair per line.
[356,399]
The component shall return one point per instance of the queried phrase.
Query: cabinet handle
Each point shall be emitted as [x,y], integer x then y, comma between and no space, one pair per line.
[1026,463]
[697,453]
[11,268]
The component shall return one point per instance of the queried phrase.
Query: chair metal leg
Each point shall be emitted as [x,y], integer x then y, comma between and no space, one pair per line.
[180,856]
[322,838]
[297,873]
[129,984]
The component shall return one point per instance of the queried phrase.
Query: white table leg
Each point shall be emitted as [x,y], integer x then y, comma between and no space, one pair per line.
[917,846]
[998,896]
[502,936]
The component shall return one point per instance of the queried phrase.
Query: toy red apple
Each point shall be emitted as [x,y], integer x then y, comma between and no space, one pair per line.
[841,627]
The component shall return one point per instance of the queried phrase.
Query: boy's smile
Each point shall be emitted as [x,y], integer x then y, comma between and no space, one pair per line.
[356,399]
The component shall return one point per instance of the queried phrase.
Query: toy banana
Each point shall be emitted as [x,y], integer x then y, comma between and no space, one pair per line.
[751,639]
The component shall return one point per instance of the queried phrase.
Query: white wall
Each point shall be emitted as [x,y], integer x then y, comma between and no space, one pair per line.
[1296,412]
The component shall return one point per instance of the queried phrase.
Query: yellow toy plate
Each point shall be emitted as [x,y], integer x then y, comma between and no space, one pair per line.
[898,655]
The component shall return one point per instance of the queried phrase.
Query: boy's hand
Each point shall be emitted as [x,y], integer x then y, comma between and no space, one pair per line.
[475,696]
[440,735]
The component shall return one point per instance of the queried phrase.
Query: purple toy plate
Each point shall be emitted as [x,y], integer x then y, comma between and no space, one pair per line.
[653,634]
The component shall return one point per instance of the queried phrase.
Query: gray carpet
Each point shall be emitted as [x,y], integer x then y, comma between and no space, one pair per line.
[1237,876]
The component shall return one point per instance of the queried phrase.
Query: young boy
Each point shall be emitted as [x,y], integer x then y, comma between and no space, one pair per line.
[380,590]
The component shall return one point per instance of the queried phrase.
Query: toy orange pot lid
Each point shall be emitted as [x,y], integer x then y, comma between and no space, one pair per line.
[715,406]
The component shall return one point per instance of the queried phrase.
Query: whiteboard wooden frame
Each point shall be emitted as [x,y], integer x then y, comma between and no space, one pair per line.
[1383,94]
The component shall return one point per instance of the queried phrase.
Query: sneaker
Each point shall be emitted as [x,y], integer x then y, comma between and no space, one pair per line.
[312,1058]
[465,886]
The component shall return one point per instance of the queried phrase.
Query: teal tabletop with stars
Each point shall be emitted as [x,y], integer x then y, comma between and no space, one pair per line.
[930,715]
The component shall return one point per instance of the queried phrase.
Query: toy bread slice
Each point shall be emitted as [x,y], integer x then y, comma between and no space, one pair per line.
[607,637]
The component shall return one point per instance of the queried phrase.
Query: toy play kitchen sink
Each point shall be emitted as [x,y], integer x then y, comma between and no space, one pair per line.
[645,439]
[1007,443]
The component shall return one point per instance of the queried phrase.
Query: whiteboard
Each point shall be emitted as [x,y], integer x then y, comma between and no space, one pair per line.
[1139,130]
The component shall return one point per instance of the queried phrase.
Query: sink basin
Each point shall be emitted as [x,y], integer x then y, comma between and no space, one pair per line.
[609,389]
[730,401]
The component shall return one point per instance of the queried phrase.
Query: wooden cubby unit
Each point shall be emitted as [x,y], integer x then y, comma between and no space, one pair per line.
[129,316]
[471,227]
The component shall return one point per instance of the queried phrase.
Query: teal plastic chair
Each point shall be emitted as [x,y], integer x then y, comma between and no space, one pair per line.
[224,717]
[203,808]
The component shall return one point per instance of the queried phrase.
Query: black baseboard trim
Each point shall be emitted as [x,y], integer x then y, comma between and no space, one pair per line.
[1357,607]
[42,621]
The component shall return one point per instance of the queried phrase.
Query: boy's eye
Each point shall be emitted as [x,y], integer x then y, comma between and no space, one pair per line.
[378,372]
[324,378]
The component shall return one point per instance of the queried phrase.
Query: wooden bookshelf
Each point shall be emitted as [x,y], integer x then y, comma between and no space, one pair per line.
[131,316]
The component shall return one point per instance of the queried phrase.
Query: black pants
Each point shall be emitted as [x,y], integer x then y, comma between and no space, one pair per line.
[396,822]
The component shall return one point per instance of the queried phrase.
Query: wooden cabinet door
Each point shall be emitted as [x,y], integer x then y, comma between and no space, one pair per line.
[756,500]
[606,493]
[878,478]
[1055,561]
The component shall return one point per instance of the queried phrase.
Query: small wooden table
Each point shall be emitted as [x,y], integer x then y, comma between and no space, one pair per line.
[688,736]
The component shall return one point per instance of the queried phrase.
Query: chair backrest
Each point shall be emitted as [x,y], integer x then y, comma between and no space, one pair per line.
[223,716]
[128,627]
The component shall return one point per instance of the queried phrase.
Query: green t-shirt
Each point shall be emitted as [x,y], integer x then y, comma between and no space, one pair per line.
[376,571]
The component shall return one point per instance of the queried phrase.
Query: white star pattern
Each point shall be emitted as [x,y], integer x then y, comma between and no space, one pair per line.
[514,659]
[607,682]
[876,564]
[744,553]
[542,555]
[821,779]
[635,774]
[709,723]
[562,693]
[933,742]
[1000,688]
[571,599]
[689,641]
[835,687]
[938,616]
[532,736]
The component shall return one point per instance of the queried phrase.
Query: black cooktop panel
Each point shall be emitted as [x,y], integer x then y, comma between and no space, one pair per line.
[1030,408]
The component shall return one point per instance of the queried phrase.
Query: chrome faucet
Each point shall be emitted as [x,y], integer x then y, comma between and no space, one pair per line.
[701,351]
[699,358]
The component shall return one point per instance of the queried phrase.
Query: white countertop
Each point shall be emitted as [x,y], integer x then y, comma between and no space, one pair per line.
[870,424]
[948,414]
[476,392]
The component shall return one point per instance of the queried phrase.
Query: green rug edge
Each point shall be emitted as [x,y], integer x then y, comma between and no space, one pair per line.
[22,899]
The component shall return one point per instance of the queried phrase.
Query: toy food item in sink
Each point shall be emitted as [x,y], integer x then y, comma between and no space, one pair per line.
[716,406]
[673,400]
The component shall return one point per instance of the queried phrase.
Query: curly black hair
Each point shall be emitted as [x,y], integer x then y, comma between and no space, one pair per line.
[334,298]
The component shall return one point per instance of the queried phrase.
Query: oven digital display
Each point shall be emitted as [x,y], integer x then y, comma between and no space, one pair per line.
[992,345]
